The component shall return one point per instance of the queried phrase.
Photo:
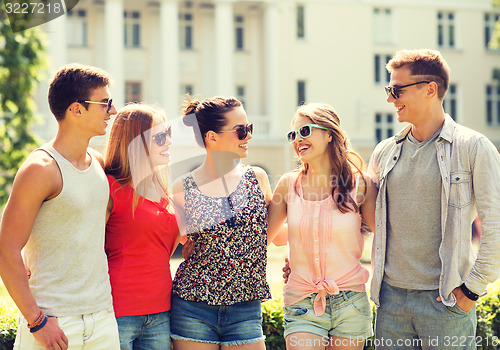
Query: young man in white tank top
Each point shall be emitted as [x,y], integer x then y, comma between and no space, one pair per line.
[56,212]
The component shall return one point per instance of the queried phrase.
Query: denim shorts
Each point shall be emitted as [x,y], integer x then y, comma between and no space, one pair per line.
[145,331]
[347,315]
[227,325]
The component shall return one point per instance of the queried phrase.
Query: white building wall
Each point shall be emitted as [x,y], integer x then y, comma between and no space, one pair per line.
[335,59]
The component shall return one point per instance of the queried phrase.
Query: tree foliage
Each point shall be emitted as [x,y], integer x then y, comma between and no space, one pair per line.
[22,61]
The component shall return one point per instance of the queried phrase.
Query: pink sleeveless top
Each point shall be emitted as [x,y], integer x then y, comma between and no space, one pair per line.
[325,246]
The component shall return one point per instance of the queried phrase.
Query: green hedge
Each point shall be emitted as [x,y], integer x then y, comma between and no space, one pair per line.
[8,326]
[488,323]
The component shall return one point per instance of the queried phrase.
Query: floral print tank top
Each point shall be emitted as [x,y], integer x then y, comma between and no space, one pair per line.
[228,264]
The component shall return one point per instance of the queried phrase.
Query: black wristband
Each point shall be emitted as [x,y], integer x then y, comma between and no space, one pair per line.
[40,326]
[471,295]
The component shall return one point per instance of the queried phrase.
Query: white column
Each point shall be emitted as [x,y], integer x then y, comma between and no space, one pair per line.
[207,53]
[255,85]
[57,53]
[272,66]
[224,47]
[169,65]
[155,64]
[114,49]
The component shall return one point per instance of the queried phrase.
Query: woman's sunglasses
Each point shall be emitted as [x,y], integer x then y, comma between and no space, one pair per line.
[242,131]
[108,104]
[161,137]
[304,132]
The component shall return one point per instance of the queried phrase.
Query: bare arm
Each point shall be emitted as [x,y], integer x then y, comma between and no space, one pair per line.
[367,196]
[37,180]
[277,230]
[265,186]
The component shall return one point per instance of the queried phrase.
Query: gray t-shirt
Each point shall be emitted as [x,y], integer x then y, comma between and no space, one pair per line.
[414,217]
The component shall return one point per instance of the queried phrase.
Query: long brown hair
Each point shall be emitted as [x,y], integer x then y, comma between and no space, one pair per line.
[131,121]
[345,162]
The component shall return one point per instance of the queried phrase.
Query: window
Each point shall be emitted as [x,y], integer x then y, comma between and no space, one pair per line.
[301,33]
[239,35]
[301,92]
[384,126]
[240,94]
[76,28]
[382,26]
[382,76]
[446,30]
[132,23]
[133,91]
[490,22]
[186,31]
[187,89]
[493,105]
[450,101]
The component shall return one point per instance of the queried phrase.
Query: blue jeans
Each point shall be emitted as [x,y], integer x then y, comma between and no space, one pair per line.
[413,319]
[151,332]
[227,325]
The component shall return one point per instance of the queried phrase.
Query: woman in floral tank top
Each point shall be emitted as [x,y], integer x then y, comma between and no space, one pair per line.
[326,306]
[218,290]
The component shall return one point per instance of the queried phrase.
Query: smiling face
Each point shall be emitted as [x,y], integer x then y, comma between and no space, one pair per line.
[95,118]
[411,102]
[312,147]
[160,142]
[227,139]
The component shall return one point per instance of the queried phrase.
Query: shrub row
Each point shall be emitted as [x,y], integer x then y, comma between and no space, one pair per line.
[488,323]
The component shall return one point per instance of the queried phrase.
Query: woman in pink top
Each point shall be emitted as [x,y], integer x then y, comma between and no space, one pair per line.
[326,305]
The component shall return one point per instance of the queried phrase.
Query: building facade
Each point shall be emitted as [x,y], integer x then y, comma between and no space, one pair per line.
[276,54]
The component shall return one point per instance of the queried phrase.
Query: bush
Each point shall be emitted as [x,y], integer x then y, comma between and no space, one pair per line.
[8,326]
[488,319]
[272,324]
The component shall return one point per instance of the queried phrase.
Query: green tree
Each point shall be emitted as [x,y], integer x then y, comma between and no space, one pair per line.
[22,61]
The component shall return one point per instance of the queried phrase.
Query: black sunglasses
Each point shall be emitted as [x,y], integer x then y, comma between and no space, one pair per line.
[108,104]
[304,131]
[161,137]
[242,131]
[396,90]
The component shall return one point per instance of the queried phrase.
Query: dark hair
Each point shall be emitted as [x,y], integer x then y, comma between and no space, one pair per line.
[74,82]
[429,64]
[345,162]
[209,113]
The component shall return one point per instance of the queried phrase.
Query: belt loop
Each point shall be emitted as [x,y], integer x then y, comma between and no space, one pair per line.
[344,295]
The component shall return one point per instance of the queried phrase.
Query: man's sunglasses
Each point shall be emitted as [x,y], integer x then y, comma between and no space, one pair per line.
[161,137]
[396,90]
[242,131]
[304,132]
[108,104]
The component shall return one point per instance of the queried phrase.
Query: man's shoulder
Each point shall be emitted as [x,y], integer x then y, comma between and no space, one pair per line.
[39,173]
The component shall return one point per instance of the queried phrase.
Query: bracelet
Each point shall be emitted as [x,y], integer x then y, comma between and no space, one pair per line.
[37,321]
[40,326]
[469,294]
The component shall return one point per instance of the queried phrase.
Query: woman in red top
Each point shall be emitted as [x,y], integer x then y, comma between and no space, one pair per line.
[141,230]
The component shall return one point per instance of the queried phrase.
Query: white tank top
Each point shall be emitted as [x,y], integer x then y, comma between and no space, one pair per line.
[65,251]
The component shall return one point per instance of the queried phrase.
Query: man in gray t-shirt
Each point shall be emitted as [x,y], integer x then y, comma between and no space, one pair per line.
[434,177]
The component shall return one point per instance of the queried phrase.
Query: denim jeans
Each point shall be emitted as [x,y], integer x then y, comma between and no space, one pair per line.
[151,332]
[413,319]
[90,331]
